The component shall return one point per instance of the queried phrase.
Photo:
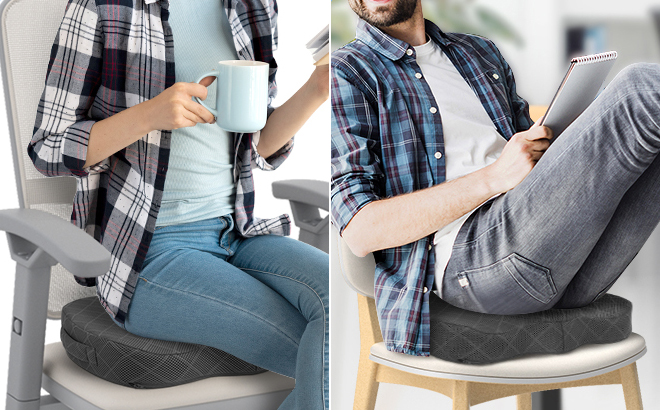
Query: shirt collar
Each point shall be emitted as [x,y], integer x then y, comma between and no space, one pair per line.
[391,47]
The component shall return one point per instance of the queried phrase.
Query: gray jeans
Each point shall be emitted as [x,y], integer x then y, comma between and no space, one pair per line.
[565,234]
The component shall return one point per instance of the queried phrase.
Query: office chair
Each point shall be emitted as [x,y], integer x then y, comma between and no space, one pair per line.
[468,384]
[48,249]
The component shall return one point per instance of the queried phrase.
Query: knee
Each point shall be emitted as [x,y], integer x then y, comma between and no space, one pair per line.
[318,285]
[638,74]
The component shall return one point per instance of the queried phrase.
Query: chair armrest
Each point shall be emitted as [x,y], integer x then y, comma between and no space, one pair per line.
[37,241]
[306,197]
[306,191]
[30,230]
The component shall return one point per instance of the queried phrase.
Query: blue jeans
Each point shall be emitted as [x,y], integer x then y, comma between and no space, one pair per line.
[564,235]
[261,299]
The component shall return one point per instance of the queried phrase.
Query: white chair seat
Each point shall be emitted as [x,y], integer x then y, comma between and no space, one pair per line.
[583,362]
[61,373]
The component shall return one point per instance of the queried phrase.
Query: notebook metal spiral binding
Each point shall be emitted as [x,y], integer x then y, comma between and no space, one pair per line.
[594,58]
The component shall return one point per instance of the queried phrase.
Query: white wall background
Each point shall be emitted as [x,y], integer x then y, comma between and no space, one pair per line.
[299,21]
[541,64]
[538,67]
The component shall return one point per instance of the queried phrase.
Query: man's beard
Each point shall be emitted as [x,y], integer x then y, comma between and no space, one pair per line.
[385,16]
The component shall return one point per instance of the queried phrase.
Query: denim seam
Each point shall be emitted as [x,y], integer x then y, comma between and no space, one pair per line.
[317,295]
[224,303]
[602,114]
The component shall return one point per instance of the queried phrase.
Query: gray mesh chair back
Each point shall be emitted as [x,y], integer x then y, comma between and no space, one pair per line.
[24,58]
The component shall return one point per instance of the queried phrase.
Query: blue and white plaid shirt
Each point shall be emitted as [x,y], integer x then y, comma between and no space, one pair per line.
[111,55]
[386,136]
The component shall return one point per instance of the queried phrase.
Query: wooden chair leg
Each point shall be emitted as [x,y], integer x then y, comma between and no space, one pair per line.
[461,395]
[366,388]
[631,391]
[524,401]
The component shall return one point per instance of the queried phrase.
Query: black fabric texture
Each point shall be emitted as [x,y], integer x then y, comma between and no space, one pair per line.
[463,336]
[96,344]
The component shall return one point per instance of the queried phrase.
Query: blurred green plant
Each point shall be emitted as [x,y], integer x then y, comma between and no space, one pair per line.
[462,16]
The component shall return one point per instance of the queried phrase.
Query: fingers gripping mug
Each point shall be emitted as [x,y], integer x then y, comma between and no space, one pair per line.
[242,95]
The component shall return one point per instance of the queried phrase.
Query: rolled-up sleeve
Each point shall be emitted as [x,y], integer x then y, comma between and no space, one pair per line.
[357,177]
[62,126]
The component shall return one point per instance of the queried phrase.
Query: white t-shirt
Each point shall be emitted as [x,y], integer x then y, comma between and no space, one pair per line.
[471,139]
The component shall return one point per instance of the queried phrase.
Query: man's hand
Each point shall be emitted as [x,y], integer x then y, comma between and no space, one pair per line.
[519,156]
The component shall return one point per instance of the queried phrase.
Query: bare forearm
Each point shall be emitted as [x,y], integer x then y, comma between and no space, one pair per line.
[288,118]
[407,218]
[116,132]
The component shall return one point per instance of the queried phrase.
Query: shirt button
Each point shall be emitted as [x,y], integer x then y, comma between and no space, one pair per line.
[430,246]
[438,155]
[496,76]
[425,289]
[418,75]
[409,52]
[433,110]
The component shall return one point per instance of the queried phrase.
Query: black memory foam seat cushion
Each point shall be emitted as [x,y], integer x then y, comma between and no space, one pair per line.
[95,343]
[463,336]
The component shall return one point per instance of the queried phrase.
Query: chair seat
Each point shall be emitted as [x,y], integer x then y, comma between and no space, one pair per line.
[90,392]
[585,361]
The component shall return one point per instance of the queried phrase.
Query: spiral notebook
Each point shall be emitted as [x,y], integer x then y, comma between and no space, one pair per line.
[579,88]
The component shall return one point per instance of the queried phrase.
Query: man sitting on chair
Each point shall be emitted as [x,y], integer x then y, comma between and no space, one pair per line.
[438,169]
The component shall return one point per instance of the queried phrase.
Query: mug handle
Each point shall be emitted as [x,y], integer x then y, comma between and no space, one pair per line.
[209,74]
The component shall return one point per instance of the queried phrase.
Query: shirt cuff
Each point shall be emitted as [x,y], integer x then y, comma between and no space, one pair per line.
[345,205]
[273,161]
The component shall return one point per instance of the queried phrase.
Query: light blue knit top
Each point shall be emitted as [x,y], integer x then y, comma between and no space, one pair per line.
[199,182]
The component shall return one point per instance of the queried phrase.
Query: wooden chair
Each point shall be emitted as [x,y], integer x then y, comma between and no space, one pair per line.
[468,385]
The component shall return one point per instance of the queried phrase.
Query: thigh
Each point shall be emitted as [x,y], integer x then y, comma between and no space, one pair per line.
[193,296]
[297,271]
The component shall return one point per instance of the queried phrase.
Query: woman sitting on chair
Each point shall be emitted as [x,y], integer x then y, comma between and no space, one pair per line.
[190,262]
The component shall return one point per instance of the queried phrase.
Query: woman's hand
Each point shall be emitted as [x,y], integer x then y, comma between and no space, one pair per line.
[174,107]
[519,156]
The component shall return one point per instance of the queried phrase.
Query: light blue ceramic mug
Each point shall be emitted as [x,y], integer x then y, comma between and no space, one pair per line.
[241,95]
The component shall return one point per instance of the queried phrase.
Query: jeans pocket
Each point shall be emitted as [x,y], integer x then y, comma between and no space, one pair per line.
[512,285]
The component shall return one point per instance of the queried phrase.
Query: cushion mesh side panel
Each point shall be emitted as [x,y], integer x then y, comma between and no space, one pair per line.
[95,343]
[464,336]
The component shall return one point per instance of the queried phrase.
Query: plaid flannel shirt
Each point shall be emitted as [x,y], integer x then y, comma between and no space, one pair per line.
[386,131]
[111,55]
